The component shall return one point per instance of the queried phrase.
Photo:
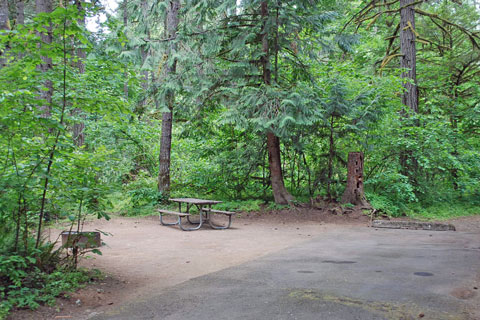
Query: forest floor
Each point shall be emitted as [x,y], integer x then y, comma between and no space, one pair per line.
[141,257]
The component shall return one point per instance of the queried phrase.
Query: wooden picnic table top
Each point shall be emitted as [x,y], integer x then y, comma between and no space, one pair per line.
[195,201]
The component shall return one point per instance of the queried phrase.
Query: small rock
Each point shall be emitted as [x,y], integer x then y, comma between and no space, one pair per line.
[100,290]
[110,303]
[475,288]
[187,261]
[421,315]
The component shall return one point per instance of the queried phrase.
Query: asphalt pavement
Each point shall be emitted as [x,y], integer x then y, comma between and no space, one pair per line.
[347,273]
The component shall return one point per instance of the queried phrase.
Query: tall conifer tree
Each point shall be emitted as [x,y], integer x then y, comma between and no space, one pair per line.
[171,27]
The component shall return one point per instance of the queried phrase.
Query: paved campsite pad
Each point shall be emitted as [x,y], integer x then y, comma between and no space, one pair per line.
[349,273]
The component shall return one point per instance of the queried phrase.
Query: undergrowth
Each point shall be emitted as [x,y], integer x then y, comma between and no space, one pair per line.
[443,211]
[441,208]
[26,284]
[141,198]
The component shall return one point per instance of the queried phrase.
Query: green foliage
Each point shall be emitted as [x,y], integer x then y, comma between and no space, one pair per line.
[29,279]
[385,205]
[238,205]
[143,191]
[327,94]
[275,206]
[43,173]
[443,210]
[394,186]
[318,91]
[23,283]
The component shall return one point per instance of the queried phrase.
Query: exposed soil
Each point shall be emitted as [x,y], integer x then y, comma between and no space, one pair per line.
[467,224]
[141,257]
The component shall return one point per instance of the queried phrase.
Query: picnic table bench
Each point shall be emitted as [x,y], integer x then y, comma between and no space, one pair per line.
[205,213]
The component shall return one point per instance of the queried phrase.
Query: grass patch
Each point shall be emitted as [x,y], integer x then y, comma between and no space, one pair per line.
[240,205]
[443,211]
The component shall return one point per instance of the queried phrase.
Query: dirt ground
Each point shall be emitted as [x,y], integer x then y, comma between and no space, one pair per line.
[141,257]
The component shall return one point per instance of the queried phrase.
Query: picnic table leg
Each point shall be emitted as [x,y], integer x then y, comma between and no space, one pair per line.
[190,229]
[221,227]
[188,217]
[208,213]
[168,223]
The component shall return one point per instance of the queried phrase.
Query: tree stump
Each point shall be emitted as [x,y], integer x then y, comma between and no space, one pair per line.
[354,193]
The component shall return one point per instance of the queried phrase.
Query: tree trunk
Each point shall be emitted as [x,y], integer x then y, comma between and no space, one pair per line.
[125,25]
[409,55]
[4,25]
[408,62]
[280,193]
[20,14]
[144,53]
[45,6]
[173,7]
[4,20]
[78,127]
[331,154]
[354,193]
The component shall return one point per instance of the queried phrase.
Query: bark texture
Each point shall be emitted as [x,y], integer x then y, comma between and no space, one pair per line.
[20,7]
[172,19]
[280,193]
[4,25]
[125,25]
[144,52]
[4,20]
[79,127]
[408,62]
[354,193]
[409,55]
[45,6]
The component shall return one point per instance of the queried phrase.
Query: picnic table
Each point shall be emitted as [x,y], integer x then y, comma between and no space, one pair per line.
[204,209]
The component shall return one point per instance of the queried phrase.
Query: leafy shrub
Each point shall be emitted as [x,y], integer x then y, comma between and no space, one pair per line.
[444,210]
[31,280]
[145,196]
[142,193]
[246,205]
[391,192]
[384,204]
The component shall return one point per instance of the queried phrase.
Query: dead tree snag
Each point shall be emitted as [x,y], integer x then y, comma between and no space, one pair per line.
[354,193]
